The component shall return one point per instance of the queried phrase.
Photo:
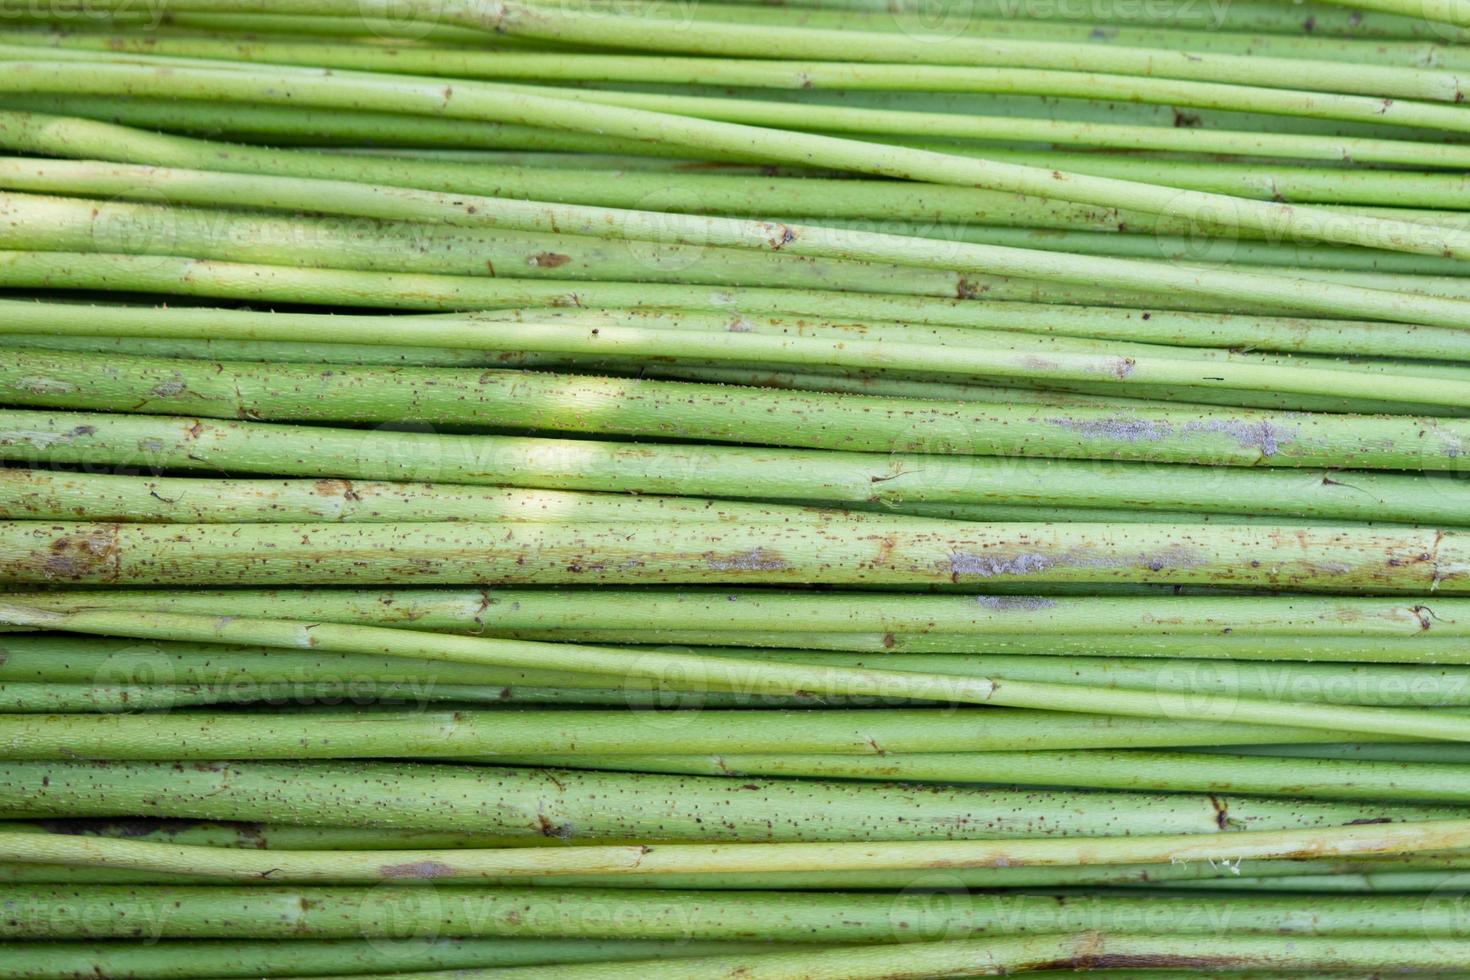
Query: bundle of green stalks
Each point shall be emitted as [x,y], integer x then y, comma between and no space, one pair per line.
[831,489]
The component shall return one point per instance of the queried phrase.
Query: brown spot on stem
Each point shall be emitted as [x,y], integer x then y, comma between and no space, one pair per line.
[416,869]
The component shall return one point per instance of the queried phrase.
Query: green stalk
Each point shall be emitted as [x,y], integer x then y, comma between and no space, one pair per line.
[1330,559]
[68,224]
[247,673]
[607,731]
[1317,19]
[1367,648]
[274,836]
[1431,9]
[981,512]
[1076,644]
[403,135]
[283,125]
[1253,15]
[50,698]
[985,20]
[1181,248]
[514,399]
[537,67]
[362,27]
[914,127]
[729,674]
[1084,951]
[1325,185]
[486,102]
[1324,779]
[934,321]
[573,403]
[787,342]
[48,659]
[672,859]
[1353,875]
[227,912]
[463,337]
[97,440]
[542,808]
[406,956]
[181,276]
[54,495]
[470,60]
[1205,620]
[62,224]
[644,33]
[717,673]
[1059,395]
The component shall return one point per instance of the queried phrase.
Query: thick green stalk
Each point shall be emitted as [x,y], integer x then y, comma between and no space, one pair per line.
[1040,23]
[225,912]
[62,224]
[1439,10]
[47,378]
[673,191]
[156,442]
[723,674]
[1325,185]
[1352,875]
[717,673]
[603,28]
[405,956]
[1327,20]
[608,731]
[897,384]
[1325,779]
[42,659]
[207,333]
[486,102]
[283,125]
[1084,951]
[847,315]
[1221,648]
[672,859]
[457,615]
[905,125]
[35,494]
[50,698]
[1007,128]
[78,224]
[1180,248]
[1329,559]
[531,805]
[251,673]
[692,73]
[981,512]
[503,399]
[1312,18]
[273,836]
[360,132]
[63,16]
[1205,619]
[182,276]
